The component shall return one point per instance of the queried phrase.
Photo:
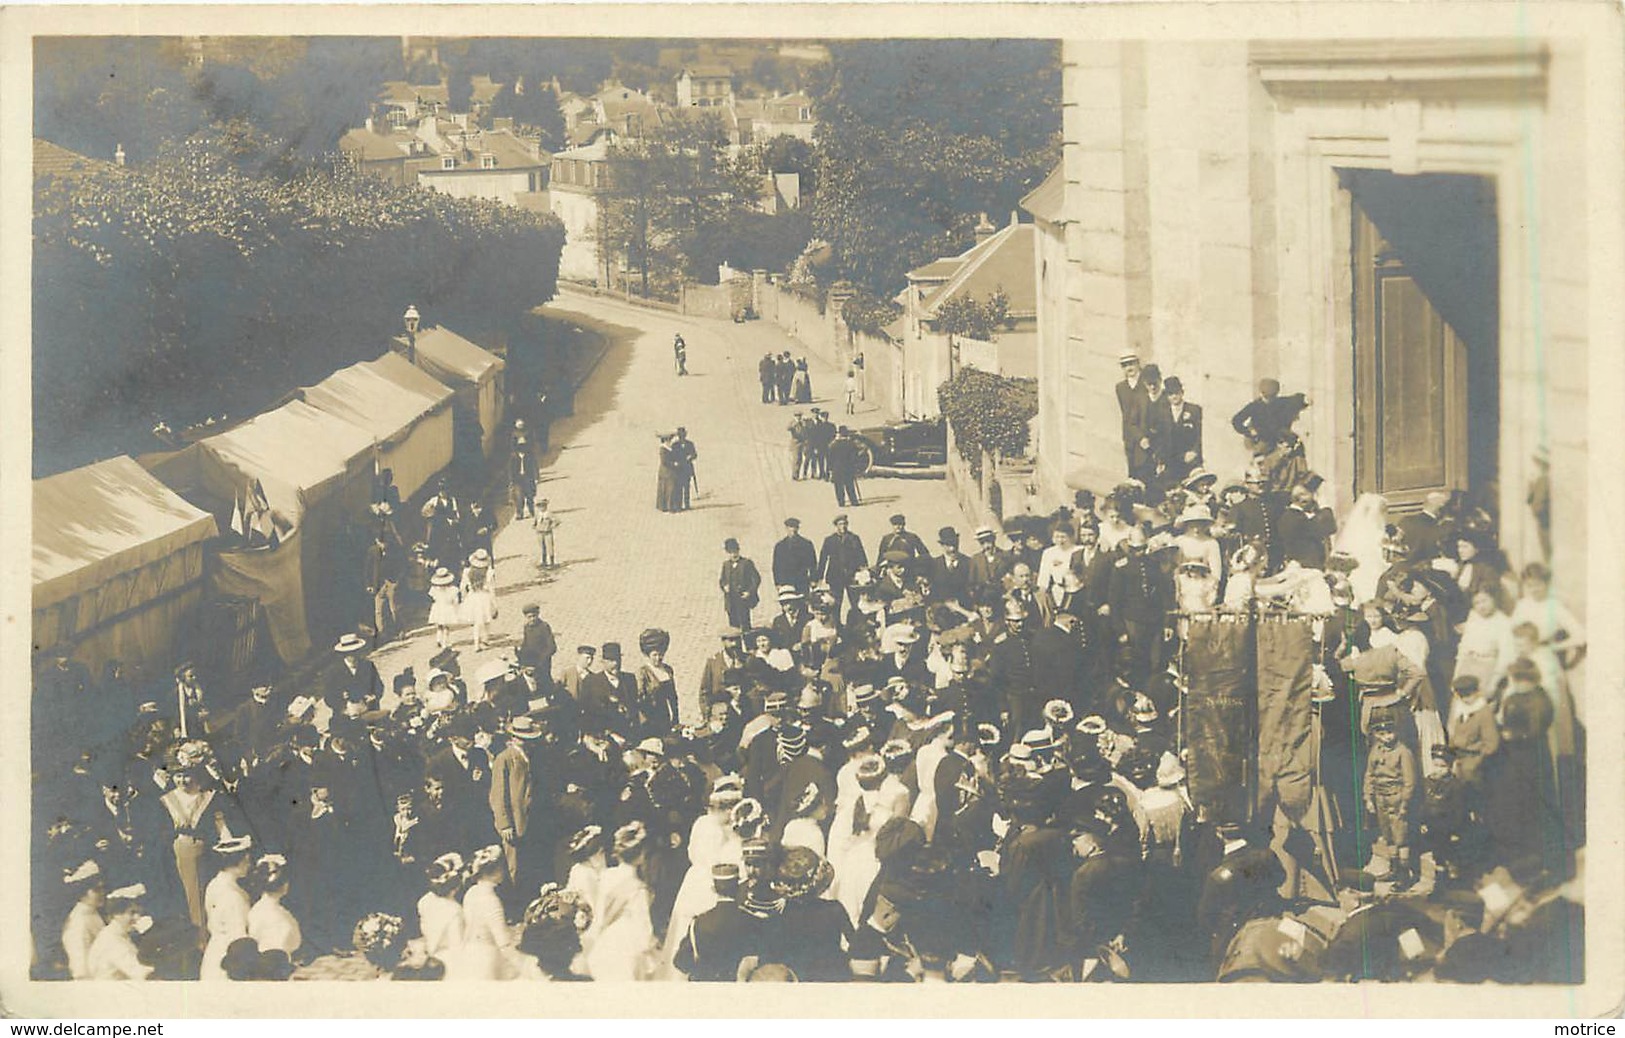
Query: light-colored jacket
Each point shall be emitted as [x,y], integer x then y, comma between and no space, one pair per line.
[510,789]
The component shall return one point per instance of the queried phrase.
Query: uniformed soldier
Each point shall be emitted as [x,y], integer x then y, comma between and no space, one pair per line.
[720,937]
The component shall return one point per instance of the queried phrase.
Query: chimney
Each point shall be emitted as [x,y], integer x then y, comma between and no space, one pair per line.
[118,155]
[1015,217]
[369,124]
[984,229]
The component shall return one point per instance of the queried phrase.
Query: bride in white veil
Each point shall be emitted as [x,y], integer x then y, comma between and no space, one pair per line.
[1361,539]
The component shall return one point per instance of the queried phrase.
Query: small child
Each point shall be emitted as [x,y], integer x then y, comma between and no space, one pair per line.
[545,524]
[1390,785]
[851,391]
[444,599]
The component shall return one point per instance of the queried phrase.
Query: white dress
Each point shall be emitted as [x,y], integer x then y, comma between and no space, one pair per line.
[479,603]
[710,842]
[852,855]
[225,911]
[273,927]
[1485,649]
[925,805]
[624,947]
[84,925]
[1360,537]
[113,957]
[487,939]
[443,608]
[440,920]
[804,832]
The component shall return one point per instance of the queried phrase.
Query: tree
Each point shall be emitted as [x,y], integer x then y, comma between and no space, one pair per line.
[459,89]
[915,138]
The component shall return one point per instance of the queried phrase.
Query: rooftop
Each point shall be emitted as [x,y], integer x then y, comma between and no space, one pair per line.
[1004,261]
[707,72]
[372,146]
[1047,201]
[53,160]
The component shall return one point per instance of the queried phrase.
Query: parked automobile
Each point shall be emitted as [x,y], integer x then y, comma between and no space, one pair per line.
[915,442]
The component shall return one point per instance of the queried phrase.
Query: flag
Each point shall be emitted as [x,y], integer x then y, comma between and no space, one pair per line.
[236,515]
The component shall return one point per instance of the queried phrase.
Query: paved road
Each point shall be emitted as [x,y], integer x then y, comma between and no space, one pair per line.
[626,565]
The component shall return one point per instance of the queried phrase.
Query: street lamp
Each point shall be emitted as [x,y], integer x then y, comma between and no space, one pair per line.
[410,319]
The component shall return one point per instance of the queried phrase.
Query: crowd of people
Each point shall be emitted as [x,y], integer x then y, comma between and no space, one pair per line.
[785,379]
[919,765]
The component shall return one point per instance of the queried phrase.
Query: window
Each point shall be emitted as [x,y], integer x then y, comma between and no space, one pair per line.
[488,161]
[448,162]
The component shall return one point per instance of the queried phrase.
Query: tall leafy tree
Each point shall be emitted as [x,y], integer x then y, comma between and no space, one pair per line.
[916,137]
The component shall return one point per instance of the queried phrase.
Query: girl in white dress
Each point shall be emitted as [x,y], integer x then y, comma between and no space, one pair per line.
[488,944]
[444,598]
[1485,648]
[440,914]
[113,954]
[479,595]
[925,770]
[624,946]
[1201,561]
[225,905]
[270,923]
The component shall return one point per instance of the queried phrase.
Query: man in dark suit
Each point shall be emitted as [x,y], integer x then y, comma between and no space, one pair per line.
[902,539]
[964,807]
[842,556]
[609,696]
[1058,662]
[989,565]
[1268,417]
[719,938]
[1136,604]
[1133,402]
[844,460]
[795,560]
[1159,430]
[730,657]
[740,583]
[767,372]
[382,576]
[791,623]
[354,679]
[1092,565]
[1428,530]
[1305,530]
[1185,452]
[950,571]
[537,645]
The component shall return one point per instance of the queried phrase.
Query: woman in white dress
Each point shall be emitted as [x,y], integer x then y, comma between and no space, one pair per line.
[226,904]
[444,602]
[488,942]
[852,837]
[1360,538]
[624,945]
[1559,629]
[270,923]
[440,914]
[925,770]
[806,829]
[479,595]
[84,923]
[589,858]
[1485,650]
[712,840]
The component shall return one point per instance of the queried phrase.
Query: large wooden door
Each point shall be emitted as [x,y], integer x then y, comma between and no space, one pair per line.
[1410,381]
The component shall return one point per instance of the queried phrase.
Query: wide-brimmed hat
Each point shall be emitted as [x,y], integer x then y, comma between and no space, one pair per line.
[654,640]
[1194,514]
[442,578]
[871,771]
[802,873]
[351,643]
[790,594]
[652,746]
[445,867]
[1170,772]
[585,841]
[1058,712]
[903,634]
[1197,477]
[988,734]
[864,695]
[480,559]
[524,727]
[629,838]
[234,844]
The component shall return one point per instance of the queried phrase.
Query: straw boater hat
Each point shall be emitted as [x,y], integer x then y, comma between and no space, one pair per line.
[442,578]
[351,643]
[1198,476]
[480,559]
[524,727]
[1194,514]
[790,594]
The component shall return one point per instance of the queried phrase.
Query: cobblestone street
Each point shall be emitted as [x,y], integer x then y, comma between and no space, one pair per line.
[627,566]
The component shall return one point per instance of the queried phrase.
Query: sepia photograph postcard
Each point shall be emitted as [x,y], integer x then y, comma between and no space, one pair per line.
[970,510]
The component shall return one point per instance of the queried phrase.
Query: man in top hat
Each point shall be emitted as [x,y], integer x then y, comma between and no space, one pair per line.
[510,793]
[901,538]
[740,583]
[684,455]
[1134,402]
[845,458]
[1158,432]
[537,645]
[950,572]
[719,938]
[841,556]
[609,695]
[795,560]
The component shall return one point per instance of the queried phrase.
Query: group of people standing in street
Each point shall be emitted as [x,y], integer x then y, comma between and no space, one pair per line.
[785,380]
[676,481]
[922,764]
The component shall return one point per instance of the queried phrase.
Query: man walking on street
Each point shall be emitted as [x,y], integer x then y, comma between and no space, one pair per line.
[798,445]
[522,472]
[841,557]
[739,583]
[383,577]
[685,452]
[819,435]
[843,468]
[784,374]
